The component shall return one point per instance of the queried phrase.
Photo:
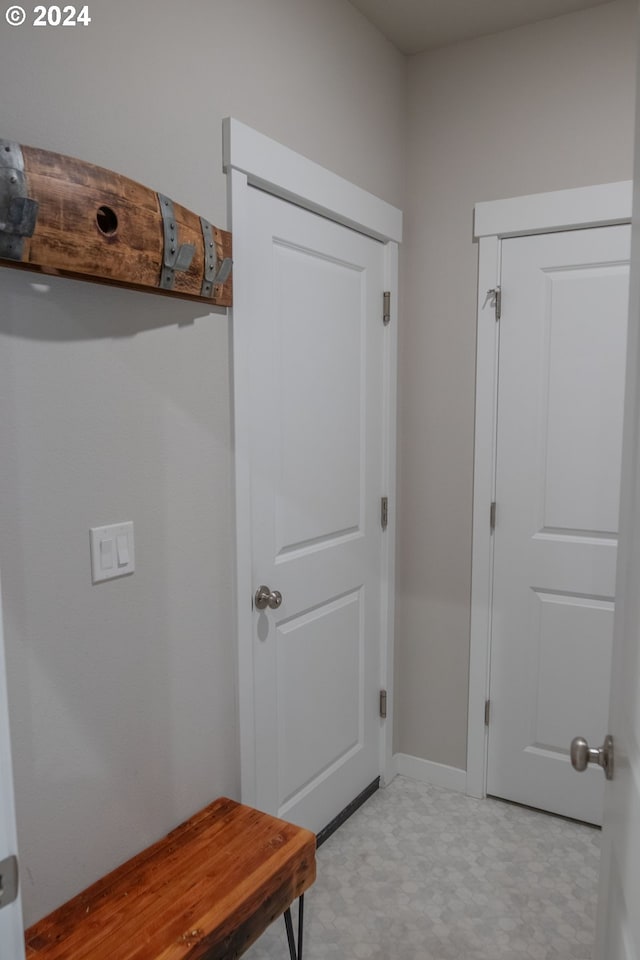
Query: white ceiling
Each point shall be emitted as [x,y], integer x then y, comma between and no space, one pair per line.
[417,25]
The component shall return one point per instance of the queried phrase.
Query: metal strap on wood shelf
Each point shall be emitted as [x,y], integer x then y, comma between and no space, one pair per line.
[177,256]
[215,271]
[18,213]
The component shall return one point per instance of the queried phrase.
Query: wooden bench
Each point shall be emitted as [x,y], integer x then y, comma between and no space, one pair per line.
[205,892]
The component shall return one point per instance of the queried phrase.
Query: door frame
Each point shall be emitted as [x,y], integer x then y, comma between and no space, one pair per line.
[254,160]
[606,204]
[11,921]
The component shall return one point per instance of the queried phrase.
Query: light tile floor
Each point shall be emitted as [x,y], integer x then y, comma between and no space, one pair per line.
[424,873]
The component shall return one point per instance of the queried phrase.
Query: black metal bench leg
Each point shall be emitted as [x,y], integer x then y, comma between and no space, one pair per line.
[293,953]
[300,924]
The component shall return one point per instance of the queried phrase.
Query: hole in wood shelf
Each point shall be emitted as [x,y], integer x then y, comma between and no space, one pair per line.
[107,221]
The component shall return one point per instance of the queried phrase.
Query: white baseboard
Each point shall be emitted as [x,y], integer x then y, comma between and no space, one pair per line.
[426,771]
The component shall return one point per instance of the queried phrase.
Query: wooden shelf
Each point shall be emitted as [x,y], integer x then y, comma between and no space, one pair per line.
[63,216]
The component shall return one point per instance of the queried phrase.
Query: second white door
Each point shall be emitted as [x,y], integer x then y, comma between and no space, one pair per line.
[11,926]
[560,402]
[316,476]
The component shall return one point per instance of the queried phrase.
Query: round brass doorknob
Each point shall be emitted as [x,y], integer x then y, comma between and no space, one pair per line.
[267,598]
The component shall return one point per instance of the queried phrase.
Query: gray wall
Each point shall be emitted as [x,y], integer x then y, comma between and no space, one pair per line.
[115,406]
[539,108]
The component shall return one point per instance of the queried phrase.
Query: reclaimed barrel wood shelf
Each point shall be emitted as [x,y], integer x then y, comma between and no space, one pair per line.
[62,216]
[204,892]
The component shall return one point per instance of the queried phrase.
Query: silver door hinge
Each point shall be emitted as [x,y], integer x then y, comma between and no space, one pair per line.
[384,512]
[386,307]
[492,516]
[383,704]
[487,712]
[8,881]
[496,300]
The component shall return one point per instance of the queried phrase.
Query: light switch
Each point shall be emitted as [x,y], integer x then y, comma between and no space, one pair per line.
[123,550]
[112,551]
[106,554]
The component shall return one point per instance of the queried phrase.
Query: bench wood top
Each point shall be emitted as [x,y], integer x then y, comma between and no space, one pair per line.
[204,892]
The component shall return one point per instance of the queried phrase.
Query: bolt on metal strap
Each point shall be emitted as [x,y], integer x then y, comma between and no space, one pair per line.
[215,271]
[176,256]
[18,212]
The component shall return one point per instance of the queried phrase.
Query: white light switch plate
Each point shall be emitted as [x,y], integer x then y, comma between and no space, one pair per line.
[112,551]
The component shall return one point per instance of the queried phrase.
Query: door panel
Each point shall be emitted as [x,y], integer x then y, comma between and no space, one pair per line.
[319,365]
[560,400]
[584,398]
[328,643]
[316,475]
[569,631]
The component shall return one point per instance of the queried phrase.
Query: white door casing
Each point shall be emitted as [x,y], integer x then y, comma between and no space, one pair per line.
[252,160]
[559,442]
[11,926]
[495,221]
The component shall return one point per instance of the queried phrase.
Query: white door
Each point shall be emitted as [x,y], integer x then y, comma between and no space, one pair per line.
[559,440]
[618,919]
[316,483]
[11,934]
